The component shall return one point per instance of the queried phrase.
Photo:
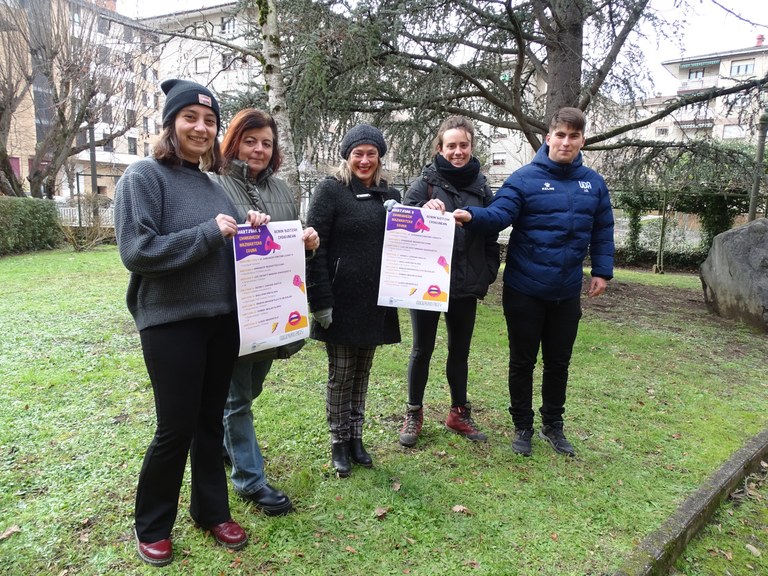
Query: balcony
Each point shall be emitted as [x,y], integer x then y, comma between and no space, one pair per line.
[698,84]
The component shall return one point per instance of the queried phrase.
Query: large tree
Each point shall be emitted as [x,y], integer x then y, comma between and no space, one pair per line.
[74,69]
[510,64]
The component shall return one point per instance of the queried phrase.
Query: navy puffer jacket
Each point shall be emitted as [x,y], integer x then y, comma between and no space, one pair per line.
[559,213]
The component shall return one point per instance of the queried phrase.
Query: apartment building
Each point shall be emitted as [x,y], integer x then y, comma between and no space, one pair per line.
[194,53]
[90,44]
[726,118]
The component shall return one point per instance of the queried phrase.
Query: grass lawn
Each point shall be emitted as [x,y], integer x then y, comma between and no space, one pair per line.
[661,394]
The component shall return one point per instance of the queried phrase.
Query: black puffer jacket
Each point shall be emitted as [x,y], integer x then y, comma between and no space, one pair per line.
[475,261]
[344,274]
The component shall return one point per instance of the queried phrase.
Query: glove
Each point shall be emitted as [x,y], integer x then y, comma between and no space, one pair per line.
[323,317]
[389,204]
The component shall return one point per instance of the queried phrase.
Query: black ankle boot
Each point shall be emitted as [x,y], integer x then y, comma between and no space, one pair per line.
[358,453]
[340,457]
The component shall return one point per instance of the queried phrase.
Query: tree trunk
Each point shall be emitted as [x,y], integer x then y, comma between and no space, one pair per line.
[565,47]
[9,184]
[277,102]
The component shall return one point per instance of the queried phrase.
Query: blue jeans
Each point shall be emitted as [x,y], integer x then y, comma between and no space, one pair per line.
[534,324]
[239,435]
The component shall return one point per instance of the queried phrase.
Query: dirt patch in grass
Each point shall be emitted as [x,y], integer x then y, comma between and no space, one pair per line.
[642,304]
[676,310]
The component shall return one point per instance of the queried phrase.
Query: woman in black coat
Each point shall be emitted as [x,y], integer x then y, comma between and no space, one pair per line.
[347,211]
[453,180]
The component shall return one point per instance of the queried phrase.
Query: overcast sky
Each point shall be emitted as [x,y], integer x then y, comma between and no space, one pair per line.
[708,29]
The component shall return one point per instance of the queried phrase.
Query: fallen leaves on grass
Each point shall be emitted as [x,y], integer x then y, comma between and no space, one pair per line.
[754,551]
[10,531]
[381,513]
[462,510]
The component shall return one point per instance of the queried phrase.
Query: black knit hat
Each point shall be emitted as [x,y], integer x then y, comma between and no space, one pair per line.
[362,134]
[181,93]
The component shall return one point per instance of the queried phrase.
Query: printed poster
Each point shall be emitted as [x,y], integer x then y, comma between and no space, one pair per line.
[416,260]
[269,279]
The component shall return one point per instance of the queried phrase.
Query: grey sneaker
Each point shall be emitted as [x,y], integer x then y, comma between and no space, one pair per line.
[554,435]
[521,443]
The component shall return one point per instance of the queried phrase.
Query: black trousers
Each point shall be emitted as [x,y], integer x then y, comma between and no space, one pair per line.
[459,324]
[190,364]
[534,323]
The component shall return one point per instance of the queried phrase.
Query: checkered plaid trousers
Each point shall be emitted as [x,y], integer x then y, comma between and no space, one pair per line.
[349,368]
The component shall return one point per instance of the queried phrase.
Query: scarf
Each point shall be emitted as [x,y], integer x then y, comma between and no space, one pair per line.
[458,177]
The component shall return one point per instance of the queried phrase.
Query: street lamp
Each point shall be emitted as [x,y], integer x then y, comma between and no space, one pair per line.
[762,128]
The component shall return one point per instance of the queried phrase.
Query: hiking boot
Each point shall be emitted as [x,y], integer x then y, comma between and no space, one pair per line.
[460,421]
[553,433]
[521,443]
[414,418]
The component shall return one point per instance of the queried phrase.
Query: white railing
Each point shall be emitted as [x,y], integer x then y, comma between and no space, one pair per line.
[83,216]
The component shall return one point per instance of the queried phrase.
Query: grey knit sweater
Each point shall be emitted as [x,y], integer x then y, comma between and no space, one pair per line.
[181,265]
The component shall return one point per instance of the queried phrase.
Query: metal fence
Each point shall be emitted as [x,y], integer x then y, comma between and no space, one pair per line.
[86,216]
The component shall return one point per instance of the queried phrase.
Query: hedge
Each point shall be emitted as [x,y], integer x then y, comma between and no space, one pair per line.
[28,224]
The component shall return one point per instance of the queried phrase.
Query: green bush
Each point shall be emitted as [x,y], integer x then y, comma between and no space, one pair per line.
[681,260]
[28,224]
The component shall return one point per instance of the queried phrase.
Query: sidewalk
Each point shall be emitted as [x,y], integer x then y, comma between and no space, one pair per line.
[657,553]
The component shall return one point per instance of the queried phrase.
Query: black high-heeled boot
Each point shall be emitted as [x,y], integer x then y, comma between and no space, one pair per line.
[358,453]
[340,457]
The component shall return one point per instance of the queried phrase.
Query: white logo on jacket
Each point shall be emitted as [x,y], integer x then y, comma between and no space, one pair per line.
[548,187]
[585,185]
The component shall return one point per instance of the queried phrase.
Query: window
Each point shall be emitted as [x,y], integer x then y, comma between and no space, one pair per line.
[16,166]
[695,73]
[127,34]
[499,158]
[81,138]
[145,124]
[130,117]
[103,25]
[106,114]
[130,90]
[731,131]
[742,67]
[662,132]
[201,65]
[229,61]
[108,146]
[102,55]
[105,85]
[76,15]
[131,145]
[227,26]
[146,148]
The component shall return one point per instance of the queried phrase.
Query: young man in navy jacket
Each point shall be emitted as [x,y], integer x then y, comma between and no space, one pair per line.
[559,211]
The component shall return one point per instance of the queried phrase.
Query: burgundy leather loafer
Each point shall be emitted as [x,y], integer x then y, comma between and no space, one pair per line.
[229,534]
[157,553]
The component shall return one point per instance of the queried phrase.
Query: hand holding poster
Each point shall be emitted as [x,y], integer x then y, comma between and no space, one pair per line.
[416,260]
[269,278]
